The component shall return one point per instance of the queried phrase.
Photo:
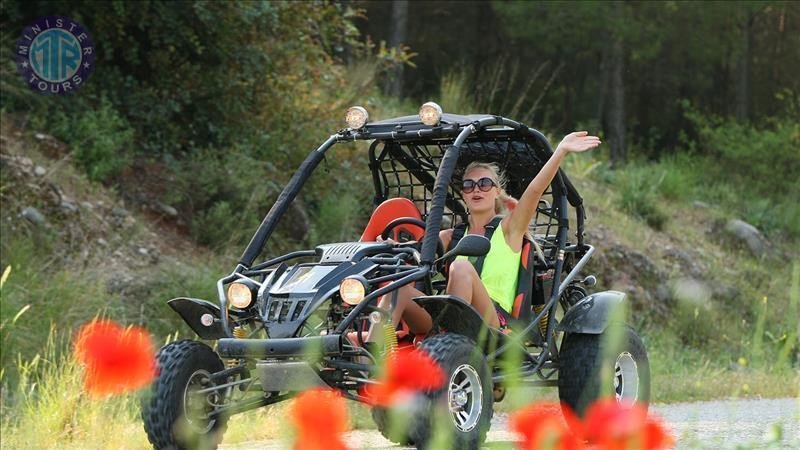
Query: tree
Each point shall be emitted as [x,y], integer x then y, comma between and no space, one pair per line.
[399,32]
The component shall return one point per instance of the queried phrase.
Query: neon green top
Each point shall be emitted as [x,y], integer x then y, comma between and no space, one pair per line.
[500,270]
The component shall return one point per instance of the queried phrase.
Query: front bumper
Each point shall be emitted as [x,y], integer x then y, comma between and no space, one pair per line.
[306,347]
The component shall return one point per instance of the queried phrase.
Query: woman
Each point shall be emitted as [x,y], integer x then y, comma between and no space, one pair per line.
[482,190]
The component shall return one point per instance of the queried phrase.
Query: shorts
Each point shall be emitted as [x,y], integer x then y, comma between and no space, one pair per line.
[502,315]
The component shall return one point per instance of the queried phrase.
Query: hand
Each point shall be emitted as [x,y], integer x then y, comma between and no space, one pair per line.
[578,141]
[380,239]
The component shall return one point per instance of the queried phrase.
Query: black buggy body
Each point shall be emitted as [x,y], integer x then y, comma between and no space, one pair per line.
[299,320]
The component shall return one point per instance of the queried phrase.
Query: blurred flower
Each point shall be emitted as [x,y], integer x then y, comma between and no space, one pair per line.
[408,370]
[545,426]
[320,417]
[612,425]
[117,359]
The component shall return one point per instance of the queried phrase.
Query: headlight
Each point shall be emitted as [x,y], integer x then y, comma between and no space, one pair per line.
[430,114]
[240,295]
[352,291]
[356,117]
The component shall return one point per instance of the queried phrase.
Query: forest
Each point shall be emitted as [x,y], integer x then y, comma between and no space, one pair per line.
[197,113]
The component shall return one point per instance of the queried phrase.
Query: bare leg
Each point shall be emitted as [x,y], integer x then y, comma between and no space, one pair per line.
[465,283]
[417,319]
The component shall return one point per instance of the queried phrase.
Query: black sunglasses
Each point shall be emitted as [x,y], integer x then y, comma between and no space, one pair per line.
[485,184]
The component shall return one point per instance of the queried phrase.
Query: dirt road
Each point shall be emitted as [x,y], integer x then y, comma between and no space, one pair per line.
[707,425]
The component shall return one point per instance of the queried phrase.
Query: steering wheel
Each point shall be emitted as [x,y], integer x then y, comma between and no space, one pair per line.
[412,221]
[387,231]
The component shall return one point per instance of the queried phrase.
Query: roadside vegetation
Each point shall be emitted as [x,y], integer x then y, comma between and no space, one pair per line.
[148,184]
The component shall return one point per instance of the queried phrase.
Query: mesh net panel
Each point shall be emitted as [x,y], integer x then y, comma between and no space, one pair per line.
[408,169]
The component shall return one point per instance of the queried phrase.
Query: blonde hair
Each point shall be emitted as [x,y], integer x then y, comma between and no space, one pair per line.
[504,202]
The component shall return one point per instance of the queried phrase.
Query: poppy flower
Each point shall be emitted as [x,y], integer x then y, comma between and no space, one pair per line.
[117,359]
[545,425]
[613,425]
[320,417]
[408,370]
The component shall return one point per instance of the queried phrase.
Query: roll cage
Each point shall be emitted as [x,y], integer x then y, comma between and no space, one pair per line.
[425,163]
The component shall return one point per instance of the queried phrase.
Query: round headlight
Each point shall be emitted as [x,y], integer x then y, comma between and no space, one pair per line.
[352,291]
[356,117]
[240,295]
[430,114]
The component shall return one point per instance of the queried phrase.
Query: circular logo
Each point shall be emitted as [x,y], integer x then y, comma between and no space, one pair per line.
[55,55]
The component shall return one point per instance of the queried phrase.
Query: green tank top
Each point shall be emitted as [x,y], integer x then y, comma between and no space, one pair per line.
[500,270]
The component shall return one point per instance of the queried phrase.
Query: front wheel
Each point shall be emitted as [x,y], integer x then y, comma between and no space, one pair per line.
[462,408]
[175,414]
[612,363]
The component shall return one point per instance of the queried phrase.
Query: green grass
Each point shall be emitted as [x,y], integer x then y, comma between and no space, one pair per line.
[705,346]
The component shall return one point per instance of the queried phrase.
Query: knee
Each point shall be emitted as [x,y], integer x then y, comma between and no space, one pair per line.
[461,269]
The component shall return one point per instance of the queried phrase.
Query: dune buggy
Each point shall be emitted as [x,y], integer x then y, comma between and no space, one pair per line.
[299,320]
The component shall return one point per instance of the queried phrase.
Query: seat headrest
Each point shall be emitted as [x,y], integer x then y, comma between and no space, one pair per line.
[388,211]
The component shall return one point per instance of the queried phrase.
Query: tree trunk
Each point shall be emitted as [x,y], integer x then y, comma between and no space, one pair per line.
[399,23]
[743,69]
[614,114]
[602,90]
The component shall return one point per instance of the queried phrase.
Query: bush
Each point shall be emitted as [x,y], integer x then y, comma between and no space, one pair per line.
[677,175]
[100,139]
[638,196]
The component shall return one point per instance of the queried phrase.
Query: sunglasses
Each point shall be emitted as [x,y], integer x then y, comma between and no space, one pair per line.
[485,184]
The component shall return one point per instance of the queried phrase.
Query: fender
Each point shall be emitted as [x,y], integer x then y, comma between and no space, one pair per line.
[592,314]
[456,316]
[191,309]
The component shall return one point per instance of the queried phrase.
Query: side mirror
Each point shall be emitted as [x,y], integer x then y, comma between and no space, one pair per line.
[469,245]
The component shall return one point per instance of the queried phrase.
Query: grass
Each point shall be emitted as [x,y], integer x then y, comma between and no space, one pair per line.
[705,347]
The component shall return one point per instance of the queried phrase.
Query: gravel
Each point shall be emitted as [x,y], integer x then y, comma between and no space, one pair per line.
[726,424]
[706,425]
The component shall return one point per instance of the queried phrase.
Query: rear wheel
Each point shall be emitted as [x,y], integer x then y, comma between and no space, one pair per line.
[175,415]
[589,368]
[462,409]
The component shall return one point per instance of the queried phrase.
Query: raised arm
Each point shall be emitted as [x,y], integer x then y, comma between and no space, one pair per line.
[521,216]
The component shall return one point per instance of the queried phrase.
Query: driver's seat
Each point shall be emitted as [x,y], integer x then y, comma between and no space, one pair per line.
[386,212]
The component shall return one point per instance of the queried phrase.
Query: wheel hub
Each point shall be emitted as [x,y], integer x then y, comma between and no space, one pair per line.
[465,397]
[458,400]
[196,406]
[626,378]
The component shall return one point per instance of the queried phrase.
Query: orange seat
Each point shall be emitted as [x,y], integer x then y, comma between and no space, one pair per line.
[386,212]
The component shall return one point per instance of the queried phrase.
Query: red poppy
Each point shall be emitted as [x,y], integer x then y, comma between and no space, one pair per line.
[612,425]
[544,425]
[408,370]
[320,417]
[117,359]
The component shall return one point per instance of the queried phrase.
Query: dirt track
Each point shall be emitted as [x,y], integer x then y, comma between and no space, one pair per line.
[707,425]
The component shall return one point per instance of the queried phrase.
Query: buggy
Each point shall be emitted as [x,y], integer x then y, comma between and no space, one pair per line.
[299,320]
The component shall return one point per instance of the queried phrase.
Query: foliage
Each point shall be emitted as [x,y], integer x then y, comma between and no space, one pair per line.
[720,56]
[638,195]
[206,85]
[102,141]
[52,411]
[753,162]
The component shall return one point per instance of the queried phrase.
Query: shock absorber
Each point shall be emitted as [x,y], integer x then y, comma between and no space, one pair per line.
[238,333]
[543,321]
[389,332]
[389,338]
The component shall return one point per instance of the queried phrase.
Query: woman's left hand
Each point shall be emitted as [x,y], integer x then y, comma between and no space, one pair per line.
[578,141]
